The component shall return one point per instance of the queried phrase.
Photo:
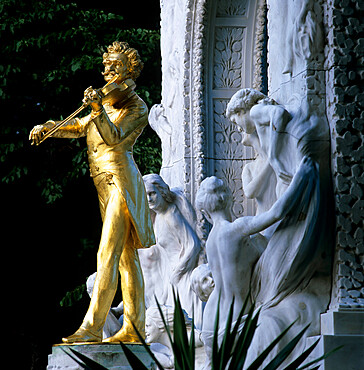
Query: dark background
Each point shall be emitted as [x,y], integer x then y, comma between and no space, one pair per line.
[50,247]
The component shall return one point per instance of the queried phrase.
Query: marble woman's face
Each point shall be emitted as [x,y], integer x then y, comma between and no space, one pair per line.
[152,332]
[243,121]
[156,201]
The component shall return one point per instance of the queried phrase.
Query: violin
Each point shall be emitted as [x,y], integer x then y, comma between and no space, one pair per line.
[110,94]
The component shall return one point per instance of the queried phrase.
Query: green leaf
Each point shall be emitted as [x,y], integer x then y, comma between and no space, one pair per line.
[73,296]
[298,361]
[265,353]
[84,361]
[134,361]
[320,358]
[145,345]
[245,338]
[181,345]
[215,341]
[285,351]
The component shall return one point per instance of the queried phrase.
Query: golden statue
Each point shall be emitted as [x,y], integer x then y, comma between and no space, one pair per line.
[111,131]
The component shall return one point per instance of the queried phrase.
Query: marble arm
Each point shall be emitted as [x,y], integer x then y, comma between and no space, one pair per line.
[254,224]
[254,185]
[279,118]
[158,120]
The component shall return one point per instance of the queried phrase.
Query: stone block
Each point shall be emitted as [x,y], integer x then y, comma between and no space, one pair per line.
[343,323]
[349,357]
[111,356]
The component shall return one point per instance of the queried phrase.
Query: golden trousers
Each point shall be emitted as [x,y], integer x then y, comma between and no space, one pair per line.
[116,253]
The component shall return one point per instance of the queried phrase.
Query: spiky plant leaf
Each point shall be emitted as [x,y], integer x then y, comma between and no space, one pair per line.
[180,335]
[260,359]
[146,346]
[215,341]
[133,360]
[166,327]
[84,361]
[192,340]
[245,339]
[285,351]
[228,340]
[320,358]
[298,361]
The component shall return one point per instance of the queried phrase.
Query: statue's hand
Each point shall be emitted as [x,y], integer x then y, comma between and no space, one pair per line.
[306,166]
[156,111]
[38,131]
[92,98]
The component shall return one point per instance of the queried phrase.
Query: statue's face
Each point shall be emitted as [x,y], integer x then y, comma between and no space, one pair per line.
[206,288]
[156,201]
[152,332]
[115,64]
[244,121]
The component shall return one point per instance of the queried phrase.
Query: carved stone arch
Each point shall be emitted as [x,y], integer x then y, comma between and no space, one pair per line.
[223,52]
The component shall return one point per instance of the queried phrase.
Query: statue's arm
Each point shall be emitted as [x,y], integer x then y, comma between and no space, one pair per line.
[255,183]
[126,124]
[73,129]
[254,224]
[278,123]
[277,118]
[158,120]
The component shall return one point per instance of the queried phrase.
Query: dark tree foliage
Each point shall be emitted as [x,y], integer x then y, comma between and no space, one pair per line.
[51,51]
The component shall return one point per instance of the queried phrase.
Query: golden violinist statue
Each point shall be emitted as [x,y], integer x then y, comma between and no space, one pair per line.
[111,131]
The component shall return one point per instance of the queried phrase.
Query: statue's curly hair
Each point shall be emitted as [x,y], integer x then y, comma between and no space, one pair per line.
[244,99]
[135,64]
[213,195]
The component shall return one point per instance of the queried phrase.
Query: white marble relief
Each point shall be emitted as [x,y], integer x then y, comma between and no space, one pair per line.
[294,270]
[157,337]
[231,253]
[177,252]
[228,57]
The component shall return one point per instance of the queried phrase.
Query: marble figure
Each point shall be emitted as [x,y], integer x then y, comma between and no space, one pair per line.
[230,252]
[177,251]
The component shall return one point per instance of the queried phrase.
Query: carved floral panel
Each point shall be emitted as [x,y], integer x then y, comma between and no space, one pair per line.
[228,57]
[227,138]
[231,8]
[230,156]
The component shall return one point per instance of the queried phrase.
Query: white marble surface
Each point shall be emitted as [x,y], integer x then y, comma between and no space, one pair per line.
[177,252]
[230,252]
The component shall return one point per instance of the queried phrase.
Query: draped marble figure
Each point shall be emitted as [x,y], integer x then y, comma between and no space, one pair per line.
[291,278]
[177,251]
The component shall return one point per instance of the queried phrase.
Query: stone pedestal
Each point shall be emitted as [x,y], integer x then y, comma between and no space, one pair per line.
[341,328]
[111,356]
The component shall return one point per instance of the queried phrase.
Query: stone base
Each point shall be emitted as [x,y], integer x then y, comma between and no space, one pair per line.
[349,357]
[340,328]
[111,356]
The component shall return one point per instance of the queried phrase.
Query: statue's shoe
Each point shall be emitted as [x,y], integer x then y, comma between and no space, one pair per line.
[122,336]
[82,335]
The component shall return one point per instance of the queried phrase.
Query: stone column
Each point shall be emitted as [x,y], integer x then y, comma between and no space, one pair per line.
[343,323]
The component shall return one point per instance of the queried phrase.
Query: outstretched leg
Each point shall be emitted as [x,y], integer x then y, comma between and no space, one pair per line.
[132,286]
[115,230]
